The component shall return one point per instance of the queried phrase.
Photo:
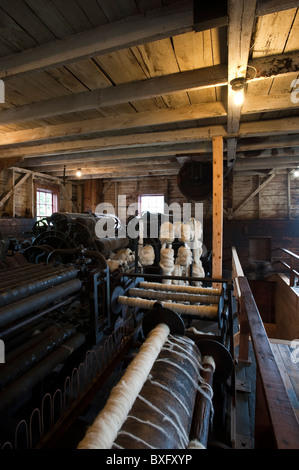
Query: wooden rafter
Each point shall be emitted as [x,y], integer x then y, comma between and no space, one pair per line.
[267,67]
[203,134]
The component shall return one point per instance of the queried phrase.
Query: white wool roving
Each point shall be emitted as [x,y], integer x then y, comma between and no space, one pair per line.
[114,264]
[125,255]
[177,271]
[146,255]
[166,262]
[166,232]
[198,271]
[103,431]
[185,233]
[177,229]
[197,252]
[184,257]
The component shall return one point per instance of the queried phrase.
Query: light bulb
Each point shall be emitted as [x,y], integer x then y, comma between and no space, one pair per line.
[239,97]
[79,172]
[296,173]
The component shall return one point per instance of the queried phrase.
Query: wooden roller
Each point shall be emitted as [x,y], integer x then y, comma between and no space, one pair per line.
[175,288]
[177,296]
[210,311]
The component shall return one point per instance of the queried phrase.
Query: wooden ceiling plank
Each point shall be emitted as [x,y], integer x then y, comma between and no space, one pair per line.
[28,20]
[131,31]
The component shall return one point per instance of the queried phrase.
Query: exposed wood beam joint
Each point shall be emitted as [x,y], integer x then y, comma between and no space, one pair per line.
[271,175]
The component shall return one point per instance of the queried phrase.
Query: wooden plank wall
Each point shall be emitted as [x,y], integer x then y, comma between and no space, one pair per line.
[287,309]
[21,204]
[265,215]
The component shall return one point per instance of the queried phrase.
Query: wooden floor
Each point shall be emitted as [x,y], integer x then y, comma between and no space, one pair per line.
[287,359]
[288,365]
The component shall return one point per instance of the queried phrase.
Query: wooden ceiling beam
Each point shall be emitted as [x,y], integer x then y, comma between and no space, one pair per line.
[123,141]
[241,15]
[258,129]
[125,121]
[154,152]
[265,67]
[266,7]
[158,154]
[110,96]
[254,104]
[48,168]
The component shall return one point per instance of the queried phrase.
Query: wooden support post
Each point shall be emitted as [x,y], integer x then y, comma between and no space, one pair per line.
[93,194]
[217,206]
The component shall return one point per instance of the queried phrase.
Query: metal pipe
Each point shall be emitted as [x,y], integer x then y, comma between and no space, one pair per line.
[30,287]
[13,393]
[15,368]
[12,312]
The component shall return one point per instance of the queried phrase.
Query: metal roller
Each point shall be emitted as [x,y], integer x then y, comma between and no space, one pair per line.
[24,270]
[14,393]
[15,368]
[22,307]
[27,287]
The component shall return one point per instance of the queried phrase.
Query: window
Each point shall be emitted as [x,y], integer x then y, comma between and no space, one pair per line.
[46,203]
[151,203]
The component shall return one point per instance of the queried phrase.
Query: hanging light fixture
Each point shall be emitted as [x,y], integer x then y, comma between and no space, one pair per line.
[238,86]
[79,172]
[296,172]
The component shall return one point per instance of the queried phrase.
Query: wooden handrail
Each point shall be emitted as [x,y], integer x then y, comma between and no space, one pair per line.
[276,425]
[279,412]
[291,268]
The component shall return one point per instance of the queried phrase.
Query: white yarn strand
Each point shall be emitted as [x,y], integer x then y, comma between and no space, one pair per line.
[103,431]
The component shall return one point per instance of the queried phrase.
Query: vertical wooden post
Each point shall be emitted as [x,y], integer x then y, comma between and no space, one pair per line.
[217,206]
